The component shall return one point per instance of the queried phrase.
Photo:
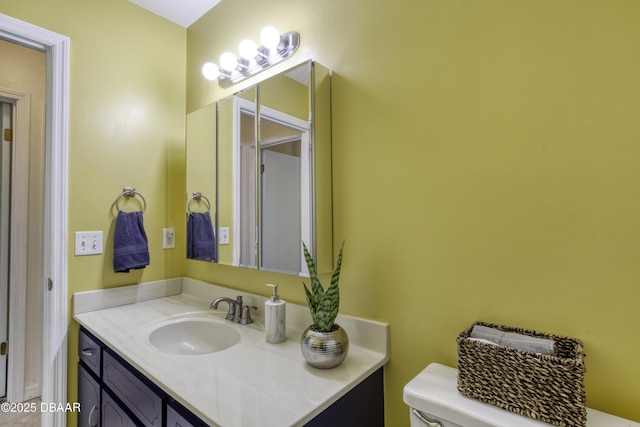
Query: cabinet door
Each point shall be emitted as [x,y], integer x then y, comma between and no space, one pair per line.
[112,414]
[89,399]
[362,406]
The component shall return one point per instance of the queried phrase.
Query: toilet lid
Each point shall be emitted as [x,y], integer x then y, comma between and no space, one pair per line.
[434,391]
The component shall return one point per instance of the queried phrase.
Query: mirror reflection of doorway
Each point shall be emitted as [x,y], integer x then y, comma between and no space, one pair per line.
[276,202]
[281,201]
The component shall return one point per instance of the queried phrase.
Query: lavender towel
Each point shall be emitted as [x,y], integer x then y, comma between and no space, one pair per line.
[130,246]
[201,238]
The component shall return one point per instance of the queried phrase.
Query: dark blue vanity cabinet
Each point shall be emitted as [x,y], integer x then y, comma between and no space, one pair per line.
[112,393]
[362,406]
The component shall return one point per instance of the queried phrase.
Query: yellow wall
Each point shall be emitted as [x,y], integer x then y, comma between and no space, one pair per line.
[484,168]
[490,175]
[127,90]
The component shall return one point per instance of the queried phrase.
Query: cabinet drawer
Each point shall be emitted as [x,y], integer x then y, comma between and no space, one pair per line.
[141,399]
[90,352]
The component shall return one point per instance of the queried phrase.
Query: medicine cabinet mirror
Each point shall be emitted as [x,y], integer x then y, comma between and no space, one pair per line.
[259,162]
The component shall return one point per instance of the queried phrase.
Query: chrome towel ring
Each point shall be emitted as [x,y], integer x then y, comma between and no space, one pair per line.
[198,196]
[131,192]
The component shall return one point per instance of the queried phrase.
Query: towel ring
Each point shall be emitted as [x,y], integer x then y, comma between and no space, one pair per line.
[198,196]
[130,192]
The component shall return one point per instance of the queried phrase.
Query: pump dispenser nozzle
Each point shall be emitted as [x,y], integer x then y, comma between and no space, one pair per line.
[274,297]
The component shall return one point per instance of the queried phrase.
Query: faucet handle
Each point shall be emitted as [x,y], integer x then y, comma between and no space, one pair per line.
[245,318]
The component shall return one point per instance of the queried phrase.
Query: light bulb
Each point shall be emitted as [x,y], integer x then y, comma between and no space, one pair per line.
[228,61]
[248,49]
[270,37]
[210,71]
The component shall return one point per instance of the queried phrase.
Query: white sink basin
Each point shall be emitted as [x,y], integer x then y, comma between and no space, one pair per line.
[193,335]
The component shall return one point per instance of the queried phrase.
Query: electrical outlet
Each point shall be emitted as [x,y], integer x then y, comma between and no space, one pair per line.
[88,243]
[224,235]
[168,238]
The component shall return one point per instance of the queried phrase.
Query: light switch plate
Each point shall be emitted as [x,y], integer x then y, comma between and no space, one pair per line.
[168,238]
[224,235]
[88,243]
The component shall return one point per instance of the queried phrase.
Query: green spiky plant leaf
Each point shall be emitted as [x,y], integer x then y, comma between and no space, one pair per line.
[322,305]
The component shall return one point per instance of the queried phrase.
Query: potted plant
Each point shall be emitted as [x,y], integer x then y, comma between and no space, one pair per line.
[324,344]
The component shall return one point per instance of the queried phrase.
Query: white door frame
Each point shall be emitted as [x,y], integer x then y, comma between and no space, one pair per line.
[54,280]
[18,234]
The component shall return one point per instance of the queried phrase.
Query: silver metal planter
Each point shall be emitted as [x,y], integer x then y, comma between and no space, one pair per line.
[324,349]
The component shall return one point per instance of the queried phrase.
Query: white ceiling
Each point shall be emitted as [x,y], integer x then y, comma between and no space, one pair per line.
[182,12]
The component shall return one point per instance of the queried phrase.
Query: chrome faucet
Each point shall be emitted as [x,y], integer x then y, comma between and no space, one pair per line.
[235,307]
[237,312]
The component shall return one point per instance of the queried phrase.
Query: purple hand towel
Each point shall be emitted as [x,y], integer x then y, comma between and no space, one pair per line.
[201,237]
[130,246]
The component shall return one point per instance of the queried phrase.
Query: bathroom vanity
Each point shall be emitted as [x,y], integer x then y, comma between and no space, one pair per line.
[124,380]
[113,393]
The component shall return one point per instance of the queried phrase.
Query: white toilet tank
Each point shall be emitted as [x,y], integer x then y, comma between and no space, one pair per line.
[434,401]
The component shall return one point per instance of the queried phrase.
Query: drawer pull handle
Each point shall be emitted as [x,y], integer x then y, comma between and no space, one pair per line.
[424,419]
[92,423]
[87,352]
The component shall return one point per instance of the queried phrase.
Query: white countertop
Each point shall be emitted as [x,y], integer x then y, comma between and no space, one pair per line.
[250,384]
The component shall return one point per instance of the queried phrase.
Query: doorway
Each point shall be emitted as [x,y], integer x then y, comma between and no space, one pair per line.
[16,112]
[55,227]
[23,93]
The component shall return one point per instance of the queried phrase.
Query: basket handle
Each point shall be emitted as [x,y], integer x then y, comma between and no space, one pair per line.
[424,419]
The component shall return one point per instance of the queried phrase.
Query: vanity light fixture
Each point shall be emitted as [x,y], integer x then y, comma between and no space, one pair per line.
[275,48]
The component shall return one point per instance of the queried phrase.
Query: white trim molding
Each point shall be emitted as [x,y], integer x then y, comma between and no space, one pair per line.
[55,316]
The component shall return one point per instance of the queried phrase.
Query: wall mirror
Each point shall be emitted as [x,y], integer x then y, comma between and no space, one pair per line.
[259,162]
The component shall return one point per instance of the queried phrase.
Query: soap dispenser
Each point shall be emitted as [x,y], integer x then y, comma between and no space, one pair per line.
[274,318]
